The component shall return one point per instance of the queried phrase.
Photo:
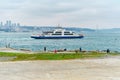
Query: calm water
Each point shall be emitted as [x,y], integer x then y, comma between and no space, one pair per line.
[98,40]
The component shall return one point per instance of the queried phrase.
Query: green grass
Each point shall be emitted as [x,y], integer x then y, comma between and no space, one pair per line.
[52,56]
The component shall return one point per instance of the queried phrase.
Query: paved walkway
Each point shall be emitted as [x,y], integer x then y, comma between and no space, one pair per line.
[88,69]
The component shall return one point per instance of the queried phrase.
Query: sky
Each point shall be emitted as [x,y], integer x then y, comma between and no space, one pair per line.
[72,13]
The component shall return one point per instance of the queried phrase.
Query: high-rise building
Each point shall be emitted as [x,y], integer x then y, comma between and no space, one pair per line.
[1,24]
[18,24]
[8,23]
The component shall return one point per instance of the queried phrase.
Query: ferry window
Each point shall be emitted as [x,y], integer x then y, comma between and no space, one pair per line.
[66,32]
[58,32]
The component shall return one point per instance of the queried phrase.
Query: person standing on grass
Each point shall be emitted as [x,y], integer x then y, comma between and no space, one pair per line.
[55,51]
[80,49]
[108,51]
[45,49]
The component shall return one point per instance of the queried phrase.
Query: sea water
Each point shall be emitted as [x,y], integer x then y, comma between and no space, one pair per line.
[95,40]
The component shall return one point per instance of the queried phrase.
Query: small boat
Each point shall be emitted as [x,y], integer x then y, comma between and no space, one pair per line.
[57,34]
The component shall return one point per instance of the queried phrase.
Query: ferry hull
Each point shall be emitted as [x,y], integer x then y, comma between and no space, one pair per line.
[55,37]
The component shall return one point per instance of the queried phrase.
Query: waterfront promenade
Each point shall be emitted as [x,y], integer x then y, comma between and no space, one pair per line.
[102,68]
[86,69]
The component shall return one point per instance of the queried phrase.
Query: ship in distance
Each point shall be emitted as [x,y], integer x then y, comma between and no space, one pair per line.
[57,34]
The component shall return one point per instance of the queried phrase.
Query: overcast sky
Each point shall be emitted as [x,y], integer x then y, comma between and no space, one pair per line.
[73,13]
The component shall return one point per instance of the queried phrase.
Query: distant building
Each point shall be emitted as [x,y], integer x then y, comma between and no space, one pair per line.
[9,26]
[1,24]
[18,24]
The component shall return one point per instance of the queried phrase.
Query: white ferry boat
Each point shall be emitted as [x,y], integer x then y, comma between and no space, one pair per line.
[57,34]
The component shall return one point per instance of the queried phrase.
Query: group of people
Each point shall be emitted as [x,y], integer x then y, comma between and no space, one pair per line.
[64,49]
[55,51]
[80,49]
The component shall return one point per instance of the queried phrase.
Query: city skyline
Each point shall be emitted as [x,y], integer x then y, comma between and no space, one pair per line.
[9,23]
[72,13]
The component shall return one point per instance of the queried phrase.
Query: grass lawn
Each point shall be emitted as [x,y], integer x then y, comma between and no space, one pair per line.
[52,56]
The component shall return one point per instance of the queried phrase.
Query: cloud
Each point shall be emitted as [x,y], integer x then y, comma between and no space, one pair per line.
[66,12]
[49,8]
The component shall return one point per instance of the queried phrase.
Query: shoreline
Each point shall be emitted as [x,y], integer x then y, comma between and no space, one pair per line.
[9,54]
[27,51]
[4,49]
